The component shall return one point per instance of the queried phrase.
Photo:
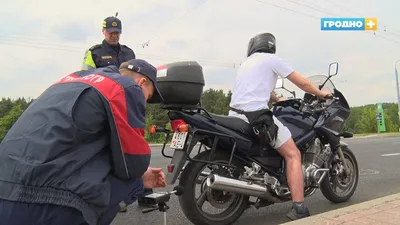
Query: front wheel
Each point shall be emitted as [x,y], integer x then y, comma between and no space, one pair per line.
[338,187]
[226,207]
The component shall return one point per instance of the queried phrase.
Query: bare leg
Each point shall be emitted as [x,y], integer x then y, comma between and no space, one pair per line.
[294,172]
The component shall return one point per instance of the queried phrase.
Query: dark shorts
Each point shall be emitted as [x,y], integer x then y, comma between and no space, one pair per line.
[18,213]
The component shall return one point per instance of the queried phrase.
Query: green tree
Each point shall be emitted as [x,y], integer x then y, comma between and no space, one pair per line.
[363,118]
[366,123]
[8,120]
[391,116]
[215,101]
[5,106]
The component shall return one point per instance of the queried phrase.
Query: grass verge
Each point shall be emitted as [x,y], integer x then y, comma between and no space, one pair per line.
[394,134]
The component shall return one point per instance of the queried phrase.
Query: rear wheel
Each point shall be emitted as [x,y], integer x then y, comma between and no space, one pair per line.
[338,187]
[231,205]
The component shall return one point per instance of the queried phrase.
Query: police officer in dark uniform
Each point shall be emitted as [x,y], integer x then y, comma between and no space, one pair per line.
[110,51]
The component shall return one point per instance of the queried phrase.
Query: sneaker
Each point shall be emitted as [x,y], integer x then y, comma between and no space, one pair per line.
[296,213]
[123,207]
[143,203]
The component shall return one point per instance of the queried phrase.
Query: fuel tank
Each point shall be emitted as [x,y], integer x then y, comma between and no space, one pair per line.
[299,123]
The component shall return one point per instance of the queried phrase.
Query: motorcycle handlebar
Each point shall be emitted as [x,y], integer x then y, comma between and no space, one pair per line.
[329,96]
[323,108]
[318,110]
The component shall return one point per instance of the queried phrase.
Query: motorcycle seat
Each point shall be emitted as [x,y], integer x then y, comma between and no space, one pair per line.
[233,123]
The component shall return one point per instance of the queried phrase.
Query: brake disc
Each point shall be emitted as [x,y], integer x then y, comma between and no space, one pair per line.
[220,199]
[216,198]
[342,180]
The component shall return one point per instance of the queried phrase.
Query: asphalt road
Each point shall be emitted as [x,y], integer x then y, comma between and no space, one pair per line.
[379,176]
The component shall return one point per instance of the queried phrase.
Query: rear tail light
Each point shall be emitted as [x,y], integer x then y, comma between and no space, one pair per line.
[153,129]
[179,126]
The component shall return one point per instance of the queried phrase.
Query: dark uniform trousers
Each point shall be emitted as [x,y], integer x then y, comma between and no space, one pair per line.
[18,213]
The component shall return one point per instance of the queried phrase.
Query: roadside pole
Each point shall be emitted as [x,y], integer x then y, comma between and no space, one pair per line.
[397,90]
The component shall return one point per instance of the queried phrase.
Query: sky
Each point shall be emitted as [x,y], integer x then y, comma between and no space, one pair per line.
[44,40]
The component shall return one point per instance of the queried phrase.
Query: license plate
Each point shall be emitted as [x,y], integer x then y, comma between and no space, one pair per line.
[178,140]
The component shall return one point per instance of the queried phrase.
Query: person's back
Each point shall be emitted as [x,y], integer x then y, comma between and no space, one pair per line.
[53,143]
[59,150]
[255,81]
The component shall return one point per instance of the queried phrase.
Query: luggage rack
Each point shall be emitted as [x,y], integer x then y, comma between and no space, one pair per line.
[190,142]
[183,107]
[193,140]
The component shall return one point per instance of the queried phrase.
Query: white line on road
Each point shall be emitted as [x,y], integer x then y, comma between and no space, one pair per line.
[391,154]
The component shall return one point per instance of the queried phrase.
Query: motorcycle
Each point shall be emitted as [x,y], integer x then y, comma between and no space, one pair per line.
[242,171]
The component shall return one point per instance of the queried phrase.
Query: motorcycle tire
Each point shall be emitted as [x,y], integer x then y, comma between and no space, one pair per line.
[326,187]
[188,202]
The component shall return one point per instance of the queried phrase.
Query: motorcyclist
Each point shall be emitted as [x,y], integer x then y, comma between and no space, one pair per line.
[255,82]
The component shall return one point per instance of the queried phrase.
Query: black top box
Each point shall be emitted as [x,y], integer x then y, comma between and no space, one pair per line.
[181,83]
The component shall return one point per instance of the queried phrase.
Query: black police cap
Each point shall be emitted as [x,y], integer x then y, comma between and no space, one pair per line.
[112,24]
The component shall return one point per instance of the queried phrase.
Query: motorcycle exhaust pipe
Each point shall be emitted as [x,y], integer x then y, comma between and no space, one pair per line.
[240,187]
[324,172]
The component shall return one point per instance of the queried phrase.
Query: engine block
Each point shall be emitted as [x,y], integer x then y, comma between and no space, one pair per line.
[314,158]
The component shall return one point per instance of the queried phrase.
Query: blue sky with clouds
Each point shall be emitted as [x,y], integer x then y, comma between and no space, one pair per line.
[42,41]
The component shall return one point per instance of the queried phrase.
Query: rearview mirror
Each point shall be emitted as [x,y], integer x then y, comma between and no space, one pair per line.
[279,83]
[333,69]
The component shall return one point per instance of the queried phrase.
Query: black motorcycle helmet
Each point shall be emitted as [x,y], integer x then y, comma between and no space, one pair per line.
[264,42]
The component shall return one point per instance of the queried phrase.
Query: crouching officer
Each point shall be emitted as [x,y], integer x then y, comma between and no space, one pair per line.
[79,150]
[110,51]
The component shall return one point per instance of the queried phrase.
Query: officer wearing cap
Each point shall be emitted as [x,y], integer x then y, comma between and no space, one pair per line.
[74,162]
[110,51]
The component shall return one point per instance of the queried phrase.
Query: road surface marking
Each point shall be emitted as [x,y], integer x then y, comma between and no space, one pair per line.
[391,154]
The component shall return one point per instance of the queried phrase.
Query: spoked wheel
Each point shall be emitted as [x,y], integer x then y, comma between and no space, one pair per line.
[207,206]
[338,187]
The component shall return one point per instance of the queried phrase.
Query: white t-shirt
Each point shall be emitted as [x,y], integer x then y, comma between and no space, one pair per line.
[255,81]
